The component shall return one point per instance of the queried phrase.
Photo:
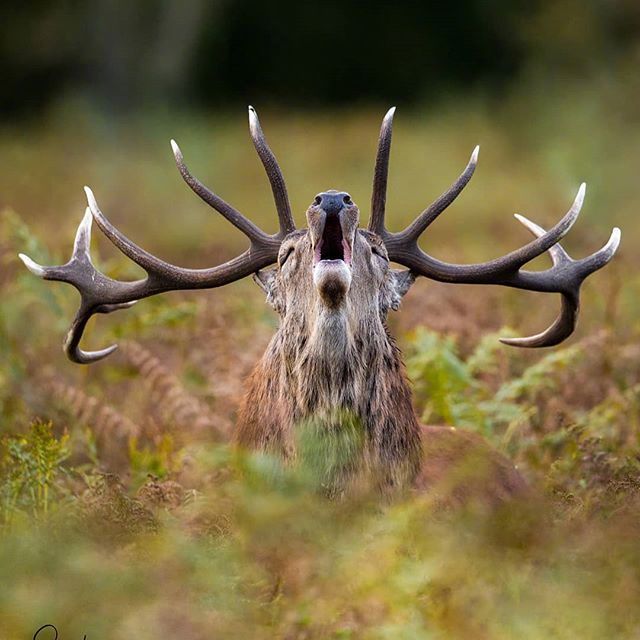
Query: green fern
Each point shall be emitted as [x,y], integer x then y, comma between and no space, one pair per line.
[30,471]
[460,392]
[157,459]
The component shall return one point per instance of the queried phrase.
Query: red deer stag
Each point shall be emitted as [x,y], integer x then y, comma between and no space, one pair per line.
[332,360]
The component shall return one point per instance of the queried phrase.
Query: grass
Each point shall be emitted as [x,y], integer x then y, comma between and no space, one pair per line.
[125,513]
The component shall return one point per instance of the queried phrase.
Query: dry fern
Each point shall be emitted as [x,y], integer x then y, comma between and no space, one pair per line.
[174,403]
[112,430]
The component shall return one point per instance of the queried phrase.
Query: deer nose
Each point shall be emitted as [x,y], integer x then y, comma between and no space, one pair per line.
[333,201]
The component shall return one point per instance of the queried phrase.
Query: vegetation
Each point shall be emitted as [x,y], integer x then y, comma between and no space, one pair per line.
[124,512]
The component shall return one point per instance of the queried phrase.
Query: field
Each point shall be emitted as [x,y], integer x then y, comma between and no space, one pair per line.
[124,512]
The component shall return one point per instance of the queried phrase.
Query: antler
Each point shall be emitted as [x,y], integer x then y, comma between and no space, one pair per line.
[564,277]
[270,164]
[101,294]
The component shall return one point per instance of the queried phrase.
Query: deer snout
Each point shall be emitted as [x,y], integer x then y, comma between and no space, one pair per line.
[332,202]
[333,220]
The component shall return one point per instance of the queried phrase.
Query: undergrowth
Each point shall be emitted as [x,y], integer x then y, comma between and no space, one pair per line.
[194,538]
[125,513]
[30,473]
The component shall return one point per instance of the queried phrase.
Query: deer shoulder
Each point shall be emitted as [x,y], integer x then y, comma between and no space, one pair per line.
[460,467]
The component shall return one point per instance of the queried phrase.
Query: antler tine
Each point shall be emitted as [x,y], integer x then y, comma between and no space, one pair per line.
[80,255]
[418,226]
[564,277]
[254,233]
[600,258]
[71,345]
[101,294]
[565,324]
[381,175]
[557,253]
[165,276]
[276,179]
[404,250]
[79,271]
[379,193]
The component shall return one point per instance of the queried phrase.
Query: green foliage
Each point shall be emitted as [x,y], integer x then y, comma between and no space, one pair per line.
[151,460]
[328,454]
[250,557]
[464,392]
[31,473]
[599,465]
[159,313]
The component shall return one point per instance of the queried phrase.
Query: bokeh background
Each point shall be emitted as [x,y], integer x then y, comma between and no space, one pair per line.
[123,511]
[310,56]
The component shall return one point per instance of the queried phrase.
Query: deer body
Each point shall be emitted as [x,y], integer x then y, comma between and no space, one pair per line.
[332,364]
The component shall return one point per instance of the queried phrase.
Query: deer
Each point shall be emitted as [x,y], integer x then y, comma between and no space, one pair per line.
[332,362]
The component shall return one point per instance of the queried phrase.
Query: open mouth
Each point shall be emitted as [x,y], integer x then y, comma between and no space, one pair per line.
[332,244]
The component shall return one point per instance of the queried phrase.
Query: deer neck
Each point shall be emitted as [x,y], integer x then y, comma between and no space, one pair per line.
[332,366]
[326,367]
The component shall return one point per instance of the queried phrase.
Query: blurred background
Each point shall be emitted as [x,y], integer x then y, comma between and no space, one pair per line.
[92,91]
[219,54]
[549,89]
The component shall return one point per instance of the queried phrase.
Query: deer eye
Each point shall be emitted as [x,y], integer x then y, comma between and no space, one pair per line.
[379,253]
[285,257]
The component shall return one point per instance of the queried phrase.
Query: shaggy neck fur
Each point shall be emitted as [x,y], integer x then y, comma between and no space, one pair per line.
[334,367]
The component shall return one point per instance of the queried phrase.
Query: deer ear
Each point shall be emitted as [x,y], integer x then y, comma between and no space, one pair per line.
[400,282]
[267,281]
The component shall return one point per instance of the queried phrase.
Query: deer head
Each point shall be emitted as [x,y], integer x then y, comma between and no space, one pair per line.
[331,267]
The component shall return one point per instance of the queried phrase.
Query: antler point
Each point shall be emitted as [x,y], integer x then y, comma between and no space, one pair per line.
[614,240]
[176,149]
[534,228]
[34,267]
[79,356]
[83,234]
[254,123]
[388,117]
[90,197]
[581,192]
